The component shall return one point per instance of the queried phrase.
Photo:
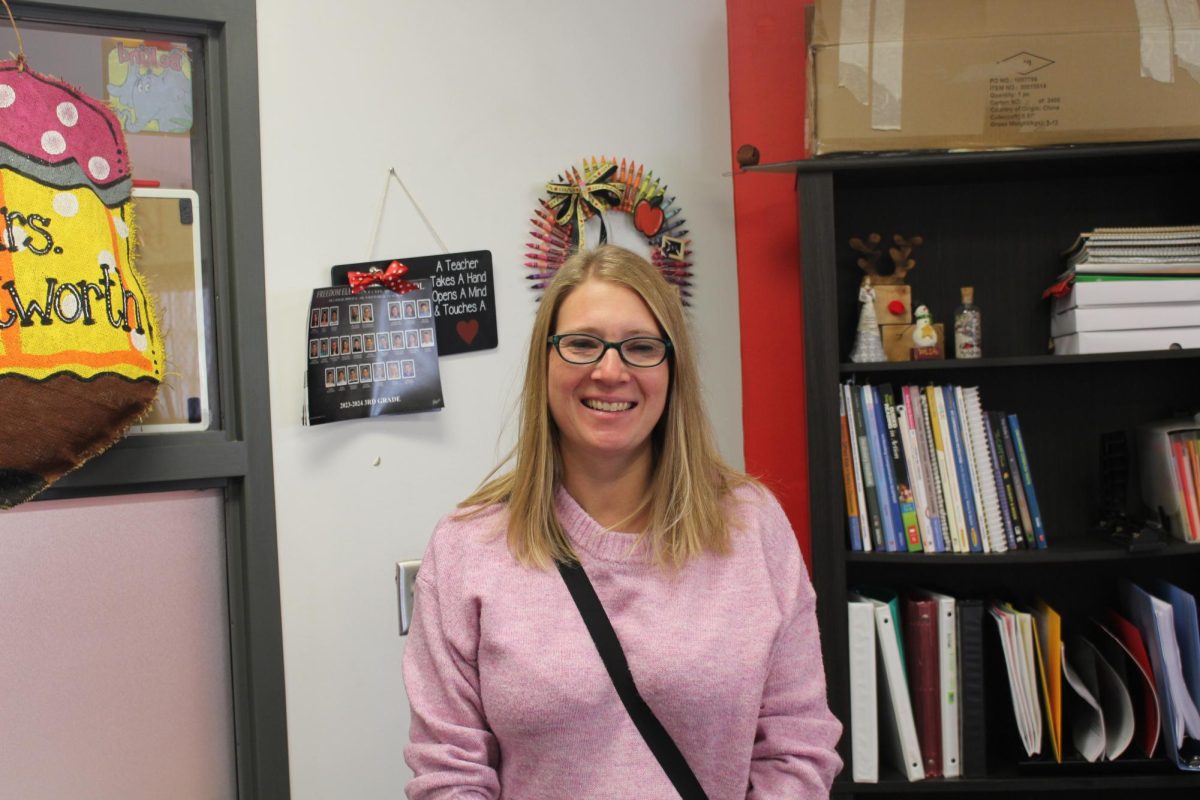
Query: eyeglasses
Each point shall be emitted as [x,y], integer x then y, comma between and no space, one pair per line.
[583,348]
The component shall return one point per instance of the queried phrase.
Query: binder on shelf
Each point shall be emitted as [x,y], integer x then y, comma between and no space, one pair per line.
[896,718]
[921,657]
[949,688]
[864,703]
[972,677]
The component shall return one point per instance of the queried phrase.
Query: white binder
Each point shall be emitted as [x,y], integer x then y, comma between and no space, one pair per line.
[864,702]
[904,750]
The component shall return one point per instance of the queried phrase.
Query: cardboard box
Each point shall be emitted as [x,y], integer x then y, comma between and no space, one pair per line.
[987,74]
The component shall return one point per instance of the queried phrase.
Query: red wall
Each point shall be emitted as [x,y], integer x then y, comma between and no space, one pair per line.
[766,102]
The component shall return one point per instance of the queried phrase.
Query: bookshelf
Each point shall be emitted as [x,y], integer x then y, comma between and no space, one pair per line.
[996,221]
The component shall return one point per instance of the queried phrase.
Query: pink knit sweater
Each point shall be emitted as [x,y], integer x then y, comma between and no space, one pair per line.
[510,698]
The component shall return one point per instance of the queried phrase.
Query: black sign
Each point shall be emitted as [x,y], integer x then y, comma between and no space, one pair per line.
[464,304]
[371,353]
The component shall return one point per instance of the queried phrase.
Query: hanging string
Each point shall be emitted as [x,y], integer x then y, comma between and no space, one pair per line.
[20,55]
[387,183]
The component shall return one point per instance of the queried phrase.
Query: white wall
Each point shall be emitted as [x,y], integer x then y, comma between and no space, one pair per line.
[476,104]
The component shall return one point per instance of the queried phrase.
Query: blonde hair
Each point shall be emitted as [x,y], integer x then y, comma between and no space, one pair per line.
[690,480]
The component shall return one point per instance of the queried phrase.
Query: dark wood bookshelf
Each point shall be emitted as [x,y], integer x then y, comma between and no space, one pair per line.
[998,221]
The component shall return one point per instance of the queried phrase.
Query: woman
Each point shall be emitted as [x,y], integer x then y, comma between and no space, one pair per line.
[694,563]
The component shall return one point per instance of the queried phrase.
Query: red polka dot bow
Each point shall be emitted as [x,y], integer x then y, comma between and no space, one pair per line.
[390,278]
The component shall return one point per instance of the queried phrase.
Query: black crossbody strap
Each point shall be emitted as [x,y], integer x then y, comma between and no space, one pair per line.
[605,639]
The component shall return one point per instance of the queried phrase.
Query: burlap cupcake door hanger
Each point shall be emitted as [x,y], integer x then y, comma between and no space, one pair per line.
[80,353]
[600,187]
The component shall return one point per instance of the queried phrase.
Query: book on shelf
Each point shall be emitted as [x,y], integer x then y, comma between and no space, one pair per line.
[885,481]
[940,431]
[998,428]
[1144,316]
[962,468]
[1004,500]
[929,515]
[869,493]
[1014,469]
[1144,251]
[904,493]
[934,472]
[859,503]
[986,497]
[1035,513]
[1091,342]
[1073,290]
[848,480]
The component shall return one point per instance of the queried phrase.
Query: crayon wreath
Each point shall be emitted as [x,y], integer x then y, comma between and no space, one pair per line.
[601,186]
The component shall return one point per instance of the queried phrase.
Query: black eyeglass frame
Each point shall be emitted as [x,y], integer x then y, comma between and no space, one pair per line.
[554,339]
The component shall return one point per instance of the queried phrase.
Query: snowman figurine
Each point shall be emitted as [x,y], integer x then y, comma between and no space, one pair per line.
[924,334]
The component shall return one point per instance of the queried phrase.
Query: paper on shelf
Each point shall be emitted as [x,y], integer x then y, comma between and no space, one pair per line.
[1087,720]
[1123,639]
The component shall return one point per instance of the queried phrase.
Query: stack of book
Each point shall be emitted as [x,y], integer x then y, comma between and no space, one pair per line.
[1118,684]
[926,469]
[1128,289]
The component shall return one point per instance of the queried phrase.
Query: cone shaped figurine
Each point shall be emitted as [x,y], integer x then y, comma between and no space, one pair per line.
[868,346]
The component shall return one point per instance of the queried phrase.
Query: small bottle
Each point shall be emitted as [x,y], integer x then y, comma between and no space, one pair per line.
[968,326]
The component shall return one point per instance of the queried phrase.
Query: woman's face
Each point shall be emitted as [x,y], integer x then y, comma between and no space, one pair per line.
[605,411]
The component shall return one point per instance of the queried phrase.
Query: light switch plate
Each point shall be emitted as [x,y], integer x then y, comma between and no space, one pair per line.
[406,580]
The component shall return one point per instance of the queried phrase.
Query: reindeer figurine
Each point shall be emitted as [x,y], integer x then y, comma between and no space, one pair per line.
[893,297]
[901,255]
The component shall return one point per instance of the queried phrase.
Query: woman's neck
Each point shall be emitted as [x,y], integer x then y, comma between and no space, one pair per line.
[612,494]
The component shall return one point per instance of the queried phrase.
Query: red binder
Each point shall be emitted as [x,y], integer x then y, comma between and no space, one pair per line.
[921,662]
